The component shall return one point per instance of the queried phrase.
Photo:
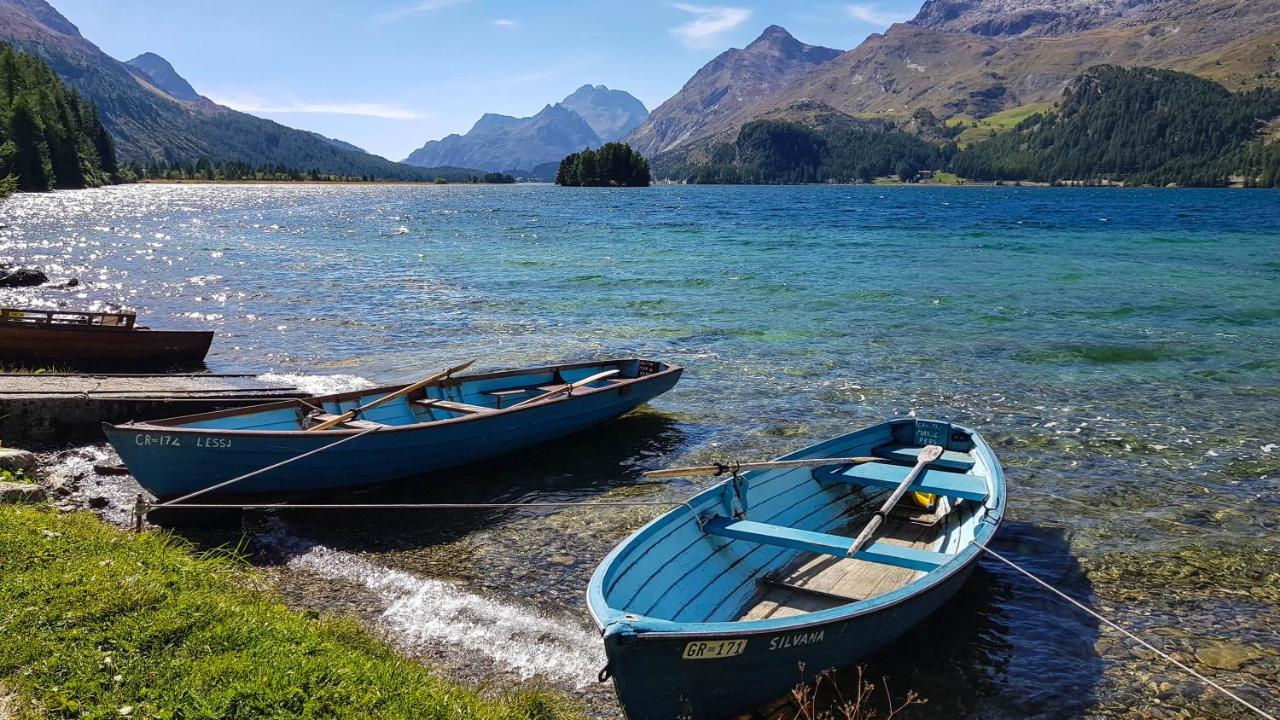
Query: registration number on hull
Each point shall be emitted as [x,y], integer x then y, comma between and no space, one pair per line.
[703,650]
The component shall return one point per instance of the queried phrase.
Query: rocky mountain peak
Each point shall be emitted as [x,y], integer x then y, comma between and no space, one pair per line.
[610,113]
[42,13]
[162,75]
[776,42]
[1045,18]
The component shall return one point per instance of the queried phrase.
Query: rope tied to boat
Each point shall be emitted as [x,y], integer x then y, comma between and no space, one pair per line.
[1113,625]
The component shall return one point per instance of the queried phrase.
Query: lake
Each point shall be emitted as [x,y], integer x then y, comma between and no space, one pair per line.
[1120,349]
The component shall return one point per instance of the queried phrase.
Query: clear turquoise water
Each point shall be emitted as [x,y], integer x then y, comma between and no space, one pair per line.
[1120,348]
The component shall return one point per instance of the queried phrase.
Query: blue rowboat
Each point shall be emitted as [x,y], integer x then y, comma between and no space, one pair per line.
[716,606]
[446,424]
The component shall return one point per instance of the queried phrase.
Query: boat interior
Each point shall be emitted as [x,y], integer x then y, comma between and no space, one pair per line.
[774,543]
[447,399]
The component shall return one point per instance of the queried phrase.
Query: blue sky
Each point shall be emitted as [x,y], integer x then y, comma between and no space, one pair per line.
[388,75]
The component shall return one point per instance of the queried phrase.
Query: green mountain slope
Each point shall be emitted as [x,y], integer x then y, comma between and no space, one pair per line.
[1139,125]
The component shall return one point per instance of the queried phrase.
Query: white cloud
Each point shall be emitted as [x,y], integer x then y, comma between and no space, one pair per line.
[870,14]
[365,109]
[505,22]
[417,8]
[709,23]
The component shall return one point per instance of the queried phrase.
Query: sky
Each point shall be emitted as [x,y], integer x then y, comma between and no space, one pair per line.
[388,75]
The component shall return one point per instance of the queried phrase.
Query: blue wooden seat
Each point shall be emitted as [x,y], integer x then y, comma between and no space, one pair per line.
[884,475]
[910,454]
[815,542]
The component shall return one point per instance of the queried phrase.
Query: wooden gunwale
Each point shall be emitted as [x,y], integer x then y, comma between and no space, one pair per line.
[164,426]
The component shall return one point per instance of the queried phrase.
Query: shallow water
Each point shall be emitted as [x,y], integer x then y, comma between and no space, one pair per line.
[1119,348]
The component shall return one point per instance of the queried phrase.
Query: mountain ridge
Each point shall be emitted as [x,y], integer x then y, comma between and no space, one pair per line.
[592,115]
[728,90]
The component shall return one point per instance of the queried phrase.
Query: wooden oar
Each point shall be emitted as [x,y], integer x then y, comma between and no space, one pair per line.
[722,468]
[928,454]
[566,388]
[408,389]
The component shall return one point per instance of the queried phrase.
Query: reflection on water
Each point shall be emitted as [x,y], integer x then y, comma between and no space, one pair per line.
[1125,371]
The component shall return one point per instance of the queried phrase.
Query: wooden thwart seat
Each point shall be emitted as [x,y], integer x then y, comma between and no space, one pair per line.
[458,407]
[950,459]
[362,424]
[877,552]
[884,475]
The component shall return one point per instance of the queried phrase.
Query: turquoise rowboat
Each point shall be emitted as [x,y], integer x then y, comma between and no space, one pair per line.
[444,424]
[714,607]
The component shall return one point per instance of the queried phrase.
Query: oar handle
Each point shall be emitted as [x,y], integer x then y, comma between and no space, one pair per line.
[928,454]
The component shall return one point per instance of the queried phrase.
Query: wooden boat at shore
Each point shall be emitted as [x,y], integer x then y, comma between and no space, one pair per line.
[713,607]
[81,340]
[439,423]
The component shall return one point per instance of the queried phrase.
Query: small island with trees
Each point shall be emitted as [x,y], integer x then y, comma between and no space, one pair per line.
[613,165]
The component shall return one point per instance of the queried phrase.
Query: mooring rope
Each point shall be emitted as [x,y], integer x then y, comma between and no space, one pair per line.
[1260,712]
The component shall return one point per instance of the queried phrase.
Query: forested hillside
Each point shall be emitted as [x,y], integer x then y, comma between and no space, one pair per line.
[1141,126]
[783,151]
[49,136]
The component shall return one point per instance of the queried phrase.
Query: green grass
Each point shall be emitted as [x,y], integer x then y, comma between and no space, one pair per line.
[16,476]
[1003,121]
[98,623]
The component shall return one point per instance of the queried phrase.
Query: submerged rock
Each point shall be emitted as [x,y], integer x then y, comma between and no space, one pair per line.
[23,277]
[1227,656]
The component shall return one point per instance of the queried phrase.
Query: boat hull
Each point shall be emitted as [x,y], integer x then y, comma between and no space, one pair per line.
[654,680]
[88,347]
[689,607]
[173,461]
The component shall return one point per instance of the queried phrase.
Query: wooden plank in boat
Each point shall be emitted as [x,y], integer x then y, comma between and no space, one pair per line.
[362,424]
[910,454]
[822,543]
[454,406]
[881,475]
[814,584]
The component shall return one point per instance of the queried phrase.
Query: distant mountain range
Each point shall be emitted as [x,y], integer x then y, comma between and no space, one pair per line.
[591,116]
[963,61]
[958,73]
[153,114]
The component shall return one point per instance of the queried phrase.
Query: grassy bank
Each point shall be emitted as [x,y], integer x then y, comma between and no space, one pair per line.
[98,623]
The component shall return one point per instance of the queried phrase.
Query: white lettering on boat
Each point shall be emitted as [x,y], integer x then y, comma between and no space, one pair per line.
[709,650]
[213,442]
[790,641]
[161,440]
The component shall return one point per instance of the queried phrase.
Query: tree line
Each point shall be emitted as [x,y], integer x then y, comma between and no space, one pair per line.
[613,165]
[232,171]
[50,137]
[786,152]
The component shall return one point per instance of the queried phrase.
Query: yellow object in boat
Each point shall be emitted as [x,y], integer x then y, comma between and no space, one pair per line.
[928,501]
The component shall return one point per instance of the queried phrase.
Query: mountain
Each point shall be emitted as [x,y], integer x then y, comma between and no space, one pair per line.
[148,123]
[610,113]
[591,116]
[730,90]
[975,58]
[161,74]
[504,143]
